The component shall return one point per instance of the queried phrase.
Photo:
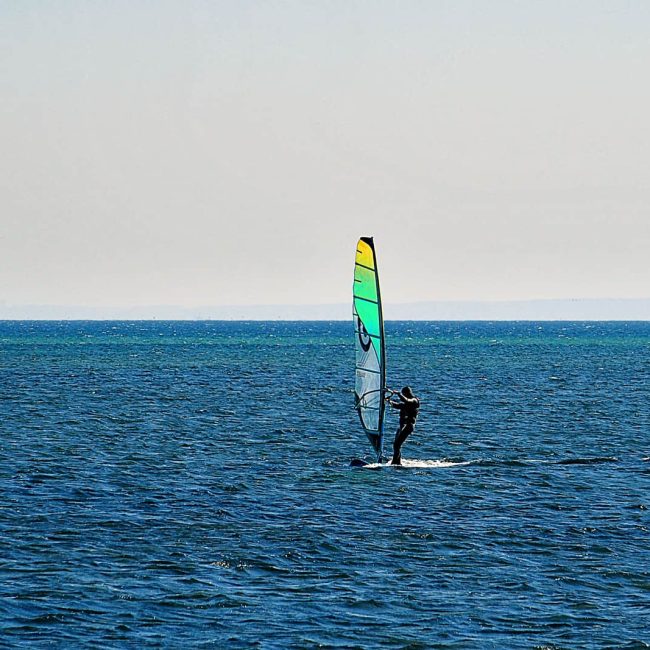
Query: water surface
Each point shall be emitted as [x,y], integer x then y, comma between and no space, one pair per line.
[174,484]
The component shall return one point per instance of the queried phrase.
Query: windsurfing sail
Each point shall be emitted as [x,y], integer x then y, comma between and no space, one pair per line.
[370,373]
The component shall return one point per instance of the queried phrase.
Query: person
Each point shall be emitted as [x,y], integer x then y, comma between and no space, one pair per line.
[408,406]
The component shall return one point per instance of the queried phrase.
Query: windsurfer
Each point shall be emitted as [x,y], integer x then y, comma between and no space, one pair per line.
[408,406]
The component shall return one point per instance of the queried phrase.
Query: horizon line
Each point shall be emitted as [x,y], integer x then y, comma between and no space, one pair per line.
[562,309]
[24,305]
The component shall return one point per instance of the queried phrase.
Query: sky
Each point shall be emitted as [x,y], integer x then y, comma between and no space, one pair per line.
[231,153]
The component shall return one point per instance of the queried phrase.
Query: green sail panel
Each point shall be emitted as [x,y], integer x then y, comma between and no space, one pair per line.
[370,362]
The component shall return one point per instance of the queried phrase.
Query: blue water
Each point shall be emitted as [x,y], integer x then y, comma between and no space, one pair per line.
[169,484]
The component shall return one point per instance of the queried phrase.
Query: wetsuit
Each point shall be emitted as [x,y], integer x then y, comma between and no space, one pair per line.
[408,413]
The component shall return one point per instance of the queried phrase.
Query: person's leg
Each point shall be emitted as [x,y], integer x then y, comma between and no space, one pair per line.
[402,434]
[397,457]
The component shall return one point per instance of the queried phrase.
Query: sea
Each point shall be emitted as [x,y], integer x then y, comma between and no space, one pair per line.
[188,485]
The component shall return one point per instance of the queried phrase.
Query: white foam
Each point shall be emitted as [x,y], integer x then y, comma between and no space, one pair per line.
[414,463]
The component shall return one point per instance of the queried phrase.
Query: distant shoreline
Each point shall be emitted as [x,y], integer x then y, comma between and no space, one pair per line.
[515,310]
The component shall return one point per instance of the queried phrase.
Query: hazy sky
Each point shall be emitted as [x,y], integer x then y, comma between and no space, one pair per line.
[205,153]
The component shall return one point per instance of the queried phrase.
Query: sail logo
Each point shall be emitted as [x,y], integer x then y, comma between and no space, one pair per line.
[364,337]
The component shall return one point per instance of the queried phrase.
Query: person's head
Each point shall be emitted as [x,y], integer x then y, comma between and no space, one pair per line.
[407,392]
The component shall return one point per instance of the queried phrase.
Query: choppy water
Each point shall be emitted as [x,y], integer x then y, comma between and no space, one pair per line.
[188,485]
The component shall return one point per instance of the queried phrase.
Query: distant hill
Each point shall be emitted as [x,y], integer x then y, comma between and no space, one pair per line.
[579,309]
